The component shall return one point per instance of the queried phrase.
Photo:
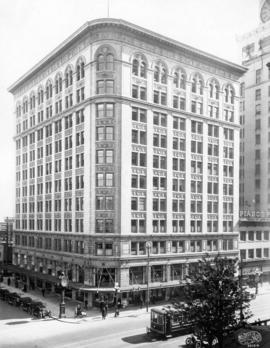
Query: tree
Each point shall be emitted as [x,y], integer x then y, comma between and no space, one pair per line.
[217,301]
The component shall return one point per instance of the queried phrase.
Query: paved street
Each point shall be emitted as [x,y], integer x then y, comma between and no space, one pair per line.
[94,332]
[9,312]
[126,331]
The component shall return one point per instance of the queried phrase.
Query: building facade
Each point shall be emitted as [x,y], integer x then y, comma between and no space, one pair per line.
[254,196]
[254,244]
[127,161]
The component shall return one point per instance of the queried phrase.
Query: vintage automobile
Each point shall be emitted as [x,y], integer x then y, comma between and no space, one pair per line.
[14,299]
[197,341]
[170,320]
[26,303]
[38,309]
[4,293]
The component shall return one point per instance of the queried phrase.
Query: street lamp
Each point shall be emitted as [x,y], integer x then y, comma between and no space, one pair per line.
[148,247]
[257,279]
[63,283]
[241,289]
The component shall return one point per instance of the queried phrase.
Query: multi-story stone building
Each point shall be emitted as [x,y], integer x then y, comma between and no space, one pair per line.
[255,146]
[254,227]
[127,152]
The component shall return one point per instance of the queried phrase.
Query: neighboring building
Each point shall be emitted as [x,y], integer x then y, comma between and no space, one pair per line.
[255,117]
[254,196]
[6,242]
[125,137]
[254,243]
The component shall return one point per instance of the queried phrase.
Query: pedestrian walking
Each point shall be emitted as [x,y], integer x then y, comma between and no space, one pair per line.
[141,301]
[43,292]
[117,307]
[103,308]
[8,281]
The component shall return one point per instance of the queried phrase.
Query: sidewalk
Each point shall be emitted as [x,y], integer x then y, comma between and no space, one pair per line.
[263,289]
[52,302]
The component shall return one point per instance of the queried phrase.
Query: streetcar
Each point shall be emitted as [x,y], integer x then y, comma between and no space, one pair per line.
[170,320]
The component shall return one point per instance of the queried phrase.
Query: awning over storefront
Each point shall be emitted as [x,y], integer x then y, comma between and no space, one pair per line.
[134,287]
[89,289]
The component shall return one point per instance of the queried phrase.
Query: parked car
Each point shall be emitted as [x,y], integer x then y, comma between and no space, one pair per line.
[14,298]
[26,303]
[37,309]
[4,293]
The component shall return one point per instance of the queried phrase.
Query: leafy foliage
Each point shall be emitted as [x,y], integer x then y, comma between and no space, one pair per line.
[216,298]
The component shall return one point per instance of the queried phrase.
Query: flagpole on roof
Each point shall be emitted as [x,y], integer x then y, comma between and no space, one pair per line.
[108,8]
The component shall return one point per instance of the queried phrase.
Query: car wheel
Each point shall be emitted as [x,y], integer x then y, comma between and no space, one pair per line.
[189,341]
[215,342]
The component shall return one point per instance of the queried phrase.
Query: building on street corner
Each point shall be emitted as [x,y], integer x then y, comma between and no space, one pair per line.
[127,156]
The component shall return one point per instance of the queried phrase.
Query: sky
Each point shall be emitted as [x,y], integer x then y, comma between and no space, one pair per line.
[30,29]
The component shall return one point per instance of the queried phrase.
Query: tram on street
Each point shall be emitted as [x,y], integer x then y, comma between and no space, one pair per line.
[169,320]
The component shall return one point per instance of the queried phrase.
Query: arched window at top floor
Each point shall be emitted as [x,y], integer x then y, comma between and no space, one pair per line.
[139,66]
[105,61]
[229,94]
[18,110]
[58,83]
[25,105]
[80,69]
[49,88]
[32,100]
[160,73]
[197,84]
[40,95]
[214,89]
[109,62]
[68,76]
[179,79]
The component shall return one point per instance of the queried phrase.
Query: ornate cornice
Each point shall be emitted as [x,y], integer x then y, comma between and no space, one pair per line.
[96,30]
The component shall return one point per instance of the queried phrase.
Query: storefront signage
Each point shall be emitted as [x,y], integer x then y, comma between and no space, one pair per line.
[249,338]
[254,214]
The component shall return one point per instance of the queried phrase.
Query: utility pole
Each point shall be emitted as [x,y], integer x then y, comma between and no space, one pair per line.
[241,289]
[148,246]
[7,237]
[108,8]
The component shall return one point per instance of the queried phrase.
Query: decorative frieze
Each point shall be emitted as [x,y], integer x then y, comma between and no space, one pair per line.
[212,198]
[212,216]
[196,176]
[161,152]
[212,178]
[179,175]
[139,148]
[157,172]
[179,195]
[105,145]
[159,215]
[139,193]
[140,171]
[179,154]
[196,196]
[105,122]
[138,215]
[179,134]
[160,130]
[159,194]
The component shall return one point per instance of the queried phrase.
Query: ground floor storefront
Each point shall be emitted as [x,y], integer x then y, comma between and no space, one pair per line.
[105,286]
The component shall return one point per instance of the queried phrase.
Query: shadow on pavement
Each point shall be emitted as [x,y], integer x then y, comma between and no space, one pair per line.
[18,322]
[141,338]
